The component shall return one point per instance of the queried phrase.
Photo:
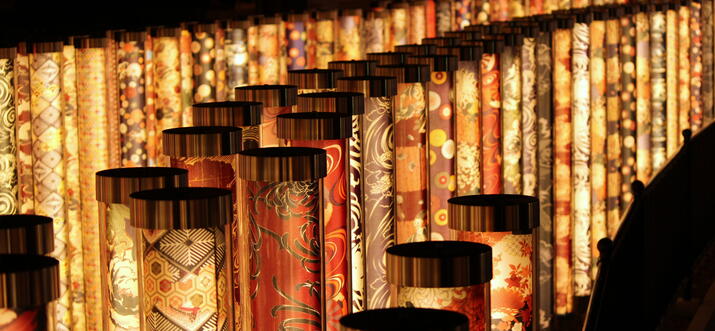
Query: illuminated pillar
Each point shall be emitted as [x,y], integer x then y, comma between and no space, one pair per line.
[314,80]
[441,137]
[375,194]
[242,114]
[280,236]
[349,44]
[182,252]
[329,131]
[325,33]
[276,100]
[28,286]
[467,118]
[449,275]
[117,244]
[236,49]
[506,223]
[296,39]
[411,167]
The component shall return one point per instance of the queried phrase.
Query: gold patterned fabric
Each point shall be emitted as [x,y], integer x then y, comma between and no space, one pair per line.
[696,66]
[563,140]
[613,115]
[418,24]
[186,69]
[70,154]
[379,198]
[203,49]
[268,54]
[411,163]
[683,71]
[349,45]
[236,60]
[184,279]
[544,113]
[628,108]
[110,67]
[658,88]
[8,150]
[48,171]
[23,130]
[472,301]
[119,268]
[511,119]
[528,117]
[324,42]
[373,32]
[580,179]
[598,124]
[132,112]
[443,15]
[672,41]
[93,157]
[151,103]
[168,83]
[644,164]
[708,72]
[467,128]
[400,27]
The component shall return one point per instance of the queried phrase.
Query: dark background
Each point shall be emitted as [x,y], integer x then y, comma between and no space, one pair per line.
[33,20]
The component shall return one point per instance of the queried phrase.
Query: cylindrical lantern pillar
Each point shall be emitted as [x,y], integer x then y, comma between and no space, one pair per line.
[399,24]
[276,100]
[354,67]
[328,131]
[415,319]
[182,253]
[376,193]
[296,39]
[117,245]
[440,125]
[28,285]
[314,80]
[349,45]
[236,49]
[489,79]
[242,114]
[506,223]
[412,218]
[325,32]
[449,275]
[280,237]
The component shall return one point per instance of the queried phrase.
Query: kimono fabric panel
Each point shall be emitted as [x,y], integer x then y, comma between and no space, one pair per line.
[658,81]
[349,46]
[8,149]
[335,237]
[283,221]
[411,163]
[252,44]
[119,267]
[696,66]
[512,284]
[443,17]
[48,173]
[70,154]
[379,197]
[511,119]
[491,124]
[628,108]
[236,59]
[468,300]
[684,44]
[167,80]
[373,34]
[268,54]
[613,115]
[400,27]
[150,95]
[708,46]
[441,151]
[672,83]
[544,113]
[203,49]
[23,131]
[528,117]
[132,114]
[186,71]
[563,140]
[581,110]
[644,165]
[417,23]
[295,32]
[597,70]
[467,128]
[93,156]
[324,45]
[184,278]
